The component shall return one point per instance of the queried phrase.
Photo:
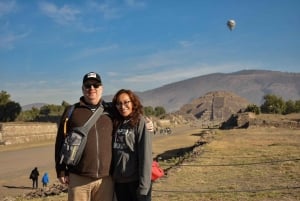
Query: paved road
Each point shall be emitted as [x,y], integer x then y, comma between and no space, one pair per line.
[16,165]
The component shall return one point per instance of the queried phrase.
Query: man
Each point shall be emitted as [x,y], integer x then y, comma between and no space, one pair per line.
[34,176]
[90,179]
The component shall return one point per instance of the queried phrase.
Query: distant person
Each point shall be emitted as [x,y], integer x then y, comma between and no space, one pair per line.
[132,149]
[34,176]
[45,179]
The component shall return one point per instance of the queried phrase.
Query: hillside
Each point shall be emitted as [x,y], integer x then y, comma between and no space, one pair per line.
[249,84]
[33,105]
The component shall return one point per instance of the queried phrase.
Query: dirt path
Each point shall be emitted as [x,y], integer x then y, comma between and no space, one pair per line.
[17,164]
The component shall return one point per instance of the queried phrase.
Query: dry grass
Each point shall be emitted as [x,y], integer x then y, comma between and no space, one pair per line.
[250,164]
[241,164]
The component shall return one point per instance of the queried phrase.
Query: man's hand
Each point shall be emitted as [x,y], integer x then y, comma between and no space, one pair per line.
[64,179]
[149,124]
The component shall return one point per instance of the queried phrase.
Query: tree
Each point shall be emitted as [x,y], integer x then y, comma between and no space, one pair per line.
[253,108]
[148,111]
[45,110]
[65,104]
[9,110]
[52,110]
[159,111]
[297,106]
[273,105]
[29,115]
[4,97]
[289,107]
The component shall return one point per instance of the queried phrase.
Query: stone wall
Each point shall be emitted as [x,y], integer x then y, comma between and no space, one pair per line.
[249,119]
[17,133]
[163,122]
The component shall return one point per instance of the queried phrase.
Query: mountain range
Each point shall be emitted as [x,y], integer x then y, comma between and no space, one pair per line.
[252,85]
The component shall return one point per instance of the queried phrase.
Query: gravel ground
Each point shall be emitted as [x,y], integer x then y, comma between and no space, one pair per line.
[16,165]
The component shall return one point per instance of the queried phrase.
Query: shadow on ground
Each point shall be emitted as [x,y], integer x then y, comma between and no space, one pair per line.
[17,187]
[180,152]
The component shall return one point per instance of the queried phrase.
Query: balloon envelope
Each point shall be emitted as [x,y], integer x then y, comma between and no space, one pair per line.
[231,24]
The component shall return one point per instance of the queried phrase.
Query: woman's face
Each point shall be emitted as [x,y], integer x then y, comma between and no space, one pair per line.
[124,105]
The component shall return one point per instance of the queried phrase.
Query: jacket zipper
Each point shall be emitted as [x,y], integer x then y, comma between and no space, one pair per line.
[97,146]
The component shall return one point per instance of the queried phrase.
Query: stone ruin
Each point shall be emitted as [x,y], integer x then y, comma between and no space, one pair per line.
[213,108]
[249,119]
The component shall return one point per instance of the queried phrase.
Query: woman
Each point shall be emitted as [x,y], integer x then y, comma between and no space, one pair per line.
[132,149]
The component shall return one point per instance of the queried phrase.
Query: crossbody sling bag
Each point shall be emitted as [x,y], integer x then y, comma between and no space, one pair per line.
[75,141]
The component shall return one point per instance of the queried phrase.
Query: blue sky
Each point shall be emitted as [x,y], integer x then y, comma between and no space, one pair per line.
[47,46]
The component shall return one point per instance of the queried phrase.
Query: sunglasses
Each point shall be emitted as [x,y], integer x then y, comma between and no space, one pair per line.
[89,85]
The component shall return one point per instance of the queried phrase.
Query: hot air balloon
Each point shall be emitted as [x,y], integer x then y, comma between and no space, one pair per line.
[231,24]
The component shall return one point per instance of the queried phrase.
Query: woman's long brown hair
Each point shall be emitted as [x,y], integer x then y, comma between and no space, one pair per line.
[137,107]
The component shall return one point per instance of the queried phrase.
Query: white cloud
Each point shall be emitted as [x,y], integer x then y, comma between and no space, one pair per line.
[63,15]
[8,41]
[177,73]
[45,91]
[115,10]
[171,65]
[6,7]
[135,3]
[68,15]
[185,43]
[164,67]
[107,9]
[88,52]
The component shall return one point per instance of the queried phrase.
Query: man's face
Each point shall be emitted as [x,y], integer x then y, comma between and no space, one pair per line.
[92,91]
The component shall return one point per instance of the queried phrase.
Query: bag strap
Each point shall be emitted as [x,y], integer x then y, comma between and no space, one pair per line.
[88,124]
[92,120]
[67,118]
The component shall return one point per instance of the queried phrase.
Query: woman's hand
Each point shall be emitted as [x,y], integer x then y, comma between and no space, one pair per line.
[149,124]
